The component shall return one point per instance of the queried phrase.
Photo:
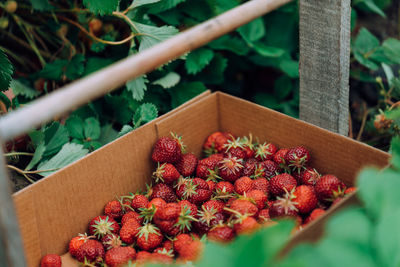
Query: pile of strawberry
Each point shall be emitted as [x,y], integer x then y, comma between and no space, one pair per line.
[239,187]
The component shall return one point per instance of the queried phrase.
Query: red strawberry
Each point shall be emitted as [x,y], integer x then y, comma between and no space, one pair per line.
[328,188]
[297,158]
[148,212]
[139,202]
[191,251]
[157,203]
[244,207]
[350,190]
[243,184]
[51,260]
[249,167]
[113,209]
[279,156]
[168,212]
[159,258]
[166,173]
[129,231]
[102,225]
[207,168]
[282,207]
[162,191]
[215,143]
[76,242]
[221,233]
[217,205]
[130,215]
[166,150]
[149,237]
[263,216]
[224,190]
[270,169]
[195,190]
[181,241]
[309,176]
[207,218]
[187,164]
[246,225]
[305,198]
[91,251]
[119,256]
[261,184]
[248,146]
[282,183]
[211,185]
[230,169]
[235,148]
[110,241]
[258,197]
[143,257]
[188,205]
[265,151]
[314,215]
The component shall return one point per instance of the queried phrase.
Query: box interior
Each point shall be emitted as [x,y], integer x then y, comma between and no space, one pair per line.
[60,206]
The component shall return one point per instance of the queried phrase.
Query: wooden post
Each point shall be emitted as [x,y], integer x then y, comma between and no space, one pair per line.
[11,248]
[325,63]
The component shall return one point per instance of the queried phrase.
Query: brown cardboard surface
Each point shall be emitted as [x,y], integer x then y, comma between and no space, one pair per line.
[58,207]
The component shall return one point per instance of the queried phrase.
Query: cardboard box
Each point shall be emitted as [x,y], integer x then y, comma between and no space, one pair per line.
[60,206]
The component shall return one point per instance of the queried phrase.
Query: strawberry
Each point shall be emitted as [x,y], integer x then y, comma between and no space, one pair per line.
[168,212]
[217,205]
[162,191]
[195,190]
[143,257]
[166,150]
[280,184]
[207,168]
[350,190]
[110,241]
[314,215]
[149,237]
[130,215]
[191,251]
[148,212]
[235,148]
[243,184]
[297,158]
[258,197]
[270,169]
[159,258]
[51,260]
[248,146]
[175,218]
[186,204]
[119,256]
[246,225]
[224,190]
[187,164]
[230,169]
[265,151]
[211,185]
[207,218]
[91,251]
[139,202]
[279,156]
[261,184]
[249,167]
[221,233]
[215,143]
[181,241]
[305,198]
[129,231]
[76,242]
[114,210]
[309,176]
[168,245]
[282,207]
[166,173]
[263,216]
[328,188]
[244,207]
[102,225]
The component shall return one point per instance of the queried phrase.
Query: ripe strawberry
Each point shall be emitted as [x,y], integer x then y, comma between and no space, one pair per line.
[157,203]
[102,225]
[283,207]
[166,150]
[114,210]
[159,258]
[143,257]
[129,231]
[217,205]
[181,241]
[314,215]
[91,251]
[187,164]
[230,169]
[221,233]
[76,242]
[191,251]
[162,191]
[244,207]
[350,190]
[149,237]
[328,188]
[166,173]
[188,205]
[211,185]
[176,218]
[235,148]
[243,184]
[119,256]
[110,241]
[207,168]
[246,225]
[305,198]
[258,197]
[168,245]
[249,167]
[168,212]
[279,156]
[207,218]
[224,190]
[195,190]
[248,146]
[51,260]
[261,184]
[215,143]
[265,151]
[270,169]
[280,184]
[263,216]
[148,212]
[309,176]
[130,215]
[139,202]
[297,158]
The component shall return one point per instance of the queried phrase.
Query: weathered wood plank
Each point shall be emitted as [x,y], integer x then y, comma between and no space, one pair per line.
[325,63]
[11,248]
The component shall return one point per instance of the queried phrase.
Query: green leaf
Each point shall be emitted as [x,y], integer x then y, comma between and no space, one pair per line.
[37,156]
[290,67]
[365,61]
[267,100]
[125,129]
[214,72]
[74,125]
[41,5]
[395,151]
[216,255]
[5,100]
[365,41]
[75,67]
[184,92]
[54,70]
[6,70]
[108,134]
[283,87]
[267,51]
[198,59]
[145,113]
[92,128]
[391,48]
[230,43]
[153,35]
[389,74]
[101,7]
[118,105]
[164,5]
[371,6]
[137,87]
[387,234]
[56,135]
[169,80]
[96,63]
[19,88]
[220,6]
[138,3]
[69,153]
[253,30]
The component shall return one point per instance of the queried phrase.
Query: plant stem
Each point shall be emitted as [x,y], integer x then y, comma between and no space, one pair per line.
[364,119]
[18,154]
[21,172]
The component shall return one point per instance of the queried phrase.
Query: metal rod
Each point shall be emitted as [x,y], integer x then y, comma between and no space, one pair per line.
[95,85]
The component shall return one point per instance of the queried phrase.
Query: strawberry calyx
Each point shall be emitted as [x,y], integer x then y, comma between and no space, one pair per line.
[185,219]
[102,227]
[231,165]
[190,189]
[178,139]
[164,251]
[259,172]
[88,263]
[262,151]
[298,163]
[339,193]
[222,194]
[210,151]
[158,174]
[147,213]
[286,202]
[147,229]
[248,142]
[207,215]
[233,144]
[213,175]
